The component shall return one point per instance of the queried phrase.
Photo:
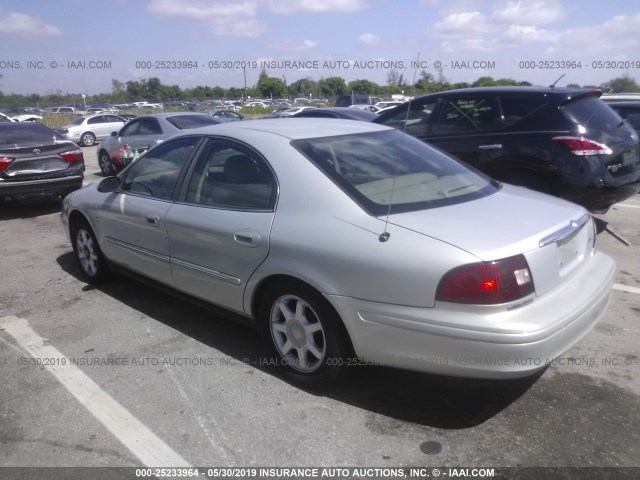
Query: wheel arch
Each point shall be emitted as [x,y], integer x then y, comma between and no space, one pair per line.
[263,286]
[75,217]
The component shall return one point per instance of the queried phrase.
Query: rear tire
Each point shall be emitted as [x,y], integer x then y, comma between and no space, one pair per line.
[93,266]
[106,167]
[87,139]
[303,334]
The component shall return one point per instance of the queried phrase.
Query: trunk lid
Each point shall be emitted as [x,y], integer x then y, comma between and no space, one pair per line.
[555,236]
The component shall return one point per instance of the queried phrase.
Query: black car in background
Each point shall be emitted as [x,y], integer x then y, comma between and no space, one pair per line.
[36,162]
[562,141]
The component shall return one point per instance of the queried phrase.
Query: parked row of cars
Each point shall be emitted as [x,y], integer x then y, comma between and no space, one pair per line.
[563,142]
[347,241]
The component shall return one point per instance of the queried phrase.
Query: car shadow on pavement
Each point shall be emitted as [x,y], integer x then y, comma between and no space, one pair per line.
[429,400]
[31,209]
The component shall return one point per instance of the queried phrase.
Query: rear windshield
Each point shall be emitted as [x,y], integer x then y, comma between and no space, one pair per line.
[592,113]
[184,122]
[26,134]
[388,171]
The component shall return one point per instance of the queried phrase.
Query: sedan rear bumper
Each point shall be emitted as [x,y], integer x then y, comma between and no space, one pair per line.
[42,187]
[492,343]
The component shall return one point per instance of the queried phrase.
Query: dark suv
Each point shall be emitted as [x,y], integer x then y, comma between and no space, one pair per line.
[561,141]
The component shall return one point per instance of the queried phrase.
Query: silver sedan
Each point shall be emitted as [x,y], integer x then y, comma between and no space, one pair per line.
[85,131]
[348,242]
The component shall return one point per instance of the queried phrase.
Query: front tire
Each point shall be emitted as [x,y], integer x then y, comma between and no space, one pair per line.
[106,167]
[93,265]
[303,333]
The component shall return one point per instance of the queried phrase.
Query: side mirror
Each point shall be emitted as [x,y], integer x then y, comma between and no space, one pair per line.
[114,134]
[109,184]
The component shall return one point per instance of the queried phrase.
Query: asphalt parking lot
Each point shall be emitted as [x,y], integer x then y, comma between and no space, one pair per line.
[157,377]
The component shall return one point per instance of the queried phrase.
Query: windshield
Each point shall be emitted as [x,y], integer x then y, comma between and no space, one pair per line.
[388,169]
[26,134]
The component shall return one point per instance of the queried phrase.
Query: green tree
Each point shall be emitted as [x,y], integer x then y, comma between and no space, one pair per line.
[332,86]
[620,85]
[271,87]
[303,87]
[363,87]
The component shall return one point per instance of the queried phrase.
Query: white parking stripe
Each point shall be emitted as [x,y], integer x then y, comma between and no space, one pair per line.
[627,205]
[140,441]
[626,288]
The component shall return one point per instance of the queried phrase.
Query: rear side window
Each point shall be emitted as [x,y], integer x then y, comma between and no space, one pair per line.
[515,109]
[142,126]
[229,176]
[592,113]
[468,115]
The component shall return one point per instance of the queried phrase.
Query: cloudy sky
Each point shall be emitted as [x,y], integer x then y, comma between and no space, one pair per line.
[79,46]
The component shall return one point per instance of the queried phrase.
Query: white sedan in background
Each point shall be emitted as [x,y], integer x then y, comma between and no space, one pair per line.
[85,131]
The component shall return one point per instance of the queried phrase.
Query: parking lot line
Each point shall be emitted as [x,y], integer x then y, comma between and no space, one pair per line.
[626,288]
[138,439]
[627,205]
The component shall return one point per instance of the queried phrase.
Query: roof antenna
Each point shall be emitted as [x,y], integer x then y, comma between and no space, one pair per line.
[554,83]
[384,236]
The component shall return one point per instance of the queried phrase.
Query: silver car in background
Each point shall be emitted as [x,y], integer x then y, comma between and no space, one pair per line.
[85,131]
[142,133]
[348,242]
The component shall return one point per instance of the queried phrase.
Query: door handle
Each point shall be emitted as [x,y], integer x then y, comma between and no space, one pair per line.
[493,146]
[152,219]
[247,238]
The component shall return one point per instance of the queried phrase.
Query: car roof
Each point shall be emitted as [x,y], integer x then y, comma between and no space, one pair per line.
[623,103]
[93,115]
[353,113]
[564,92]
[294,128]
[172,114]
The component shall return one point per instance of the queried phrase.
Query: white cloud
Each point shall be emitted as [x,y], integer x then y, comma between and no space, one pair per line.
[462,25]
[224,17]
[519,34]
[241,18]
[295,47]
[292,7]
[530,13]
[369,39]
[447,7]
[618,33]
[468,45]
[17,23]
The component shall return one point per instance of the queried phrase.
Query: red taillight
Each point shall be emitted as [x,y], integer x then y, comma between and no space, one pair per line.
[583,146]
[72,156]
[5,162]
[487,283]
